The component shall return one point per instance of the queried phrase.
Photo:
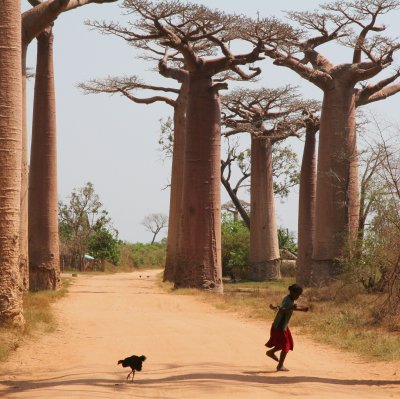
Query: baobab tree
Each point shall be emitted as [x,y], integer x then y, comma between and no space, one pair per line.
[44,257]
[10,162]
[308,183]
[185,28]
[269,115]
[353,24]
[284,171]
[42,227]
[127,87]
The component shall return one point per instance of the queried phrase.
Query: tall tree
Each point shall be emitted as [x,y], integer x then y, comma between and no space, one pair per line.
[233,155]
[34,21]
[284,171]
[80,220]
[185,27]
[127,87]
[154,223]
[269,115]
[350,23]
[308,183]
[44,258]
[10,162]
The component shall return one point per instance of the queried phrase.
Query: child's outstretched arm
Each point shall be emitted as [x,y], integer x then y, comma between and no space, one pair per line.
[288,309]
[301,308]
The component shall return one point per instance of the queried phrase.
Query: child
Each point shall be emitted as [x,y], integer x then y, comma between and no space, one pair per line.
[281,338]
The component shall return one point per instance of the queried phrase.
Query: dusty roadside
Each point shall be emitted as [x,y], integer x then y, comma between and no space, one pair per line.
[192,349]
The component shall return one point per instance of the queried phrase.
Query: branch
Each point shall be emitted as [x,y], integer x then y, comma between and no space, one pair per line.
[149,100]
[358,48]
[367,70]
[317,60]
[178,74]
[219,86]
[364,94]
[43,14]
[231,61]
[247,76]
[319,78]
[35,3]
[123,87]
[237,130]
[379,95]
[174,41]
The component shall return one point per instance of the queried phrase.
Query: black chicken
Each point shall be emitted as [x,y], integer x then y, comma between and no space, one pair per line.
[134,362]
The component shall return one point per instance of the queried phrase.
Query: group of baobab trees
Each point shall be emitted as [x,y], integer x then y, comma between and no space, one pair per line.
[29,254]
[193,45]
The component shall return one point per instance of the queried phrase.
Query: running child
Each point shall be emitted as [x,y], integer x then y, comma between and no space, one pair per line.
[281,338]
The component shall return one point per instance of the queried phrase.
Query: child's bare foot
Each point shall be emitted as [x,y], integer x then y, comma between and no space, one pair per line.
[272,355]
[281,368]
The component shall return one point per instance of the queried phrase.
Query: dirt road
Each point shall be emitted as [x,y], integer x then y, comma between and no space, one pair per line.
[193,351]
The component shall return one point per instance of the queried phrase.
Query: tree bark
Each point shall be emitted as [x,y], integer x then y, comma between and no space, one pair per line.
[177,173]
[10,162]
[23,231]
[264,246]
[199,261]
[337,182]
[34,21]
[44,262]
[306,221]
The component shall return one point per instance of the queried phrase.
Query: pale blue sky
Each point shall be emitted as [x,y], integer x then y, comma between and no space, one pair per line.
[113,142]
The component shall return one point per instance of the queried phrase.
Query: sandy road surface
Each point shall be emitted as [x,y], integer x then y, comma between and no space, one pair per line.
[193,351]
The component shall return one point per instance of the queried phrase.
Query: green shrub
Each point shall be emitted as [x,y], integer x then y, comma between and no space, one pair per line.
[141,255]
[235,247]
[286,240]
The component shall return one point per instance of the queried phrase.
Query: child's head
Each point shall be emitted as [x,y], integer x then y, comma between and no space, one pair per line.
[295,291]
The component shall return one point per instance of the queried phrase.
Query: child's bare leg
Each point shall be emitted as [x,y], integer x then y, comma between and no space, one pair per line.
[282,358]
[271,354]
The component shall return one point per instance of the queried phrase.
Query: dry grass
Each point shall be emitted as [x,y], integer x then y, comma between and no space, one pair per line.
[38,318]
[341,316]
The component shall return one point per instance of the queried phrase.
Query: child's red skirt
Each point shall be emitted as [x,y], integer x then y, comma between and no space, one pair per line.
[281,340]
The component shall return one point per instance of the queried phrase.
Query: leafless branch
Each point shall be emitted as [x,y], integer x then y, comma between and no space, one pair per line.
[125,86]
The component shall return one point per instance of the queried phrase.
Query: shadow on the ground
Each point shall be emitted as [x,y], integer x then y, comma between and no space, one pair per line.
[247,377]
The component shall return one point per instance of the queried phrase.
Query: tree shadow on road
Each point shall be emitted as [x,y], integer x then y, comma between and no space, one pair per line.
[262,377]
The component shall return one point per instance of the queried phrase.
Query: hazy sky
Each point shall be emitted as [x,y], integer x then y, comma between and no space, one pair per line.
[113,142]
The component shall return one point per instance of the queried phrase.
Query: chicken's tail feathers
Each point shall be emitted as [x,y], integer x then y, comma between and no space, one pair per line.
[142,358]
[120,361]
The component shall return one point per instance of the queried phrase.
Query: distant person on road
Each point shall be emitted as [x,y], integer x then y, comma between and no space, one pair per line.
[281,338]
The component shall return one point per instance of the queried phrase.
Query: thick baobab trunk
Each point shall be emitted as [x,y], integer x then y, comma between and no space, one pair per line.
[175,205]
[44,262]
[337,202]
[306,222]
[264,246]
[10,162]
[199,261]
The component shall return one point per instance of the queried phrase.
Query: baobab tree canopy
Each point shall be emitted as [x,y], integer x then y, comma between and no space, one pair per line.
[275,113]
[190,29]
[353,24]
